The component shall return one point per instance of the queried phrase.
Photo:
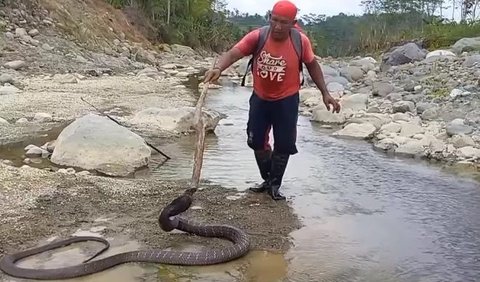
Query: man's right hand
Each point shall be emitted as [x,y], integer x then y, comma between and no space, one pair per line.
[212,75]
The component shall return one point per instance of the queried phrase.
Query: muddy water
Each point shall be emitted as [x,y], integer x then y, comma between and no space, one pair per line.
[367,216]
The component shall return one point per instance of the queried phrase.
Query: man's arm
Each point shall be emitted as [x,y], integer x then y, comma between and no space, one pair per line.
[228,58]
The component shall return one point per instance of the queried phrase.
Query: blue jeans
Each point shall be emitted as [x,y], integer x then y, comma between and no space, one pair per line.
[281,115]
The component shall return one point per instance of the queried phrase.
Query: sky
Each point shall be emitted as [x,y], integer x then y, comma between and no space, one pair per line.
[328,8]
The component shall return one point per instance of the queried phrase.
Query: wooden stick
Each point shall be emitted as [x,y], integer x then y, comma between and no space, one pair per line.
[200,134]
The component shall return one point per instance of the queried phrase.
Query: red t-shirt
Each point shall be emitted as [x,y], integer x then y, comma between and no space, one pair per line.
[276,70]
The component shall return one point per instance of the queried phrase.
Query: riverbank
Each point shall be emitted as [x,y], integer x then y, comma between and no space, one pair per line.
[424,108]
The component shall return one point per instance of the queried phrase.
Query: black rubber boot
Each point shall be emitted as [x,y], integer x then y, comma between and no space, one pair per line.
[263,158]
[279,164]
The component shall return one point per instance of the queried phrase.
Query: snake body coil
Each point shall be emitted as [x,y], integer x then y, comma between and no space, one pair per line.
[168,221]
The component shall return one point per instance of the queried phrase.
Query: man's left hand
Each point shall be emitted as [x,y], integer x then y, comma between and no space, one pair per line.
[329,100]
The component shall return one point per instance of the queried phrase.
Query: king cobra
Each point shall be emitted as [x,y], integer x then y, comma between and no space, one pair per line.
[168,220]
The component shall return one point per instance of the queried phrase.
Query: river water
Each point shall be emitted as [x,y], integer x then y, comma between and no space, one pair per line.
[367,216]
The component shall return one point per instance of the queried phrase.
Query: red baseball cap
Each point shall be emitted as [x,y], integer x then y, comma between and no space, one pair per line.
[285,8]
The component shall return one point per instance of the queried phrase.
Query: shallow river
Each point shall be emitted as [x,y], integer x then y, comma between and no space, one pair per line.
[367,216]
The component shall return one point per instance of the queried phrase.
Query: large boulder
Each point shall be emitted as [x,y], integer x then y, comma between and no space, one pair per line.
[466,45]
[96,143]
[176,120]
[404,54]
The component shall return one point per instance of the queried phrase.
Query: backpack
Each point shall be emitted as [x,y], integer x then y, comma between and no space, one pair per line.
[296,38]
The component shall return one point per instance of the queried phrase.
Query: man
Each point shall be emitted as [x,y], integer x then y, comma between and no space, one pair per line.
[275,98]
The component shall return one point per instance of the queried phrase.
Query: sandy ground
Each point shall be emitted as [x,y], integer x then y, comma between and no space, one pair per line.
[38,204]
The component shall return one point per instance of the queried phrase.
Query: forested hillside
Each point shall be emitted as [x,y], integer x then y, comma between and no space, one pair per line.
[207,23]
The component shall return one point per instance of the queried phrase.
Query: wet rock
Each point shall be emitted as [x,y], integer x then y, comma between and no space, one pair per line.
[411,148]
[96,143]
[179,120]
[377,120]
[33,151]
[355,130]
[322,115]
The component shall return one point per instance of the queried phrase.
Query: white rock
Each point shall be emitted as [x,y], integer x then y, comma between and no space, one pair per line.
[442,53]
[43,117]
[96,143]
[355,130]
[322,115]
[412,148]
[9,90]
[410,129]
[455,93]
[355,102]
[468,152]
[17,64]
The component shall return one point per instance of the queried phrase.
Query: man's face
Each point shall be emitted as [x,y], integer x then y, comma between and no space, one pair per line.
[280,26]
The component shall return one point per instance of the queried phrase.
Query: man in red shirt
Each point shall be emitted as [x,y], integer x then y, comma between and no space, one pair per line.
[275,98]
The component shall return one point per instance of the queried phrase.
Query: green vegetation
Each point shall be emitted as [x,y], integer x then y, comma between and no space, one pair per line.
[385,23]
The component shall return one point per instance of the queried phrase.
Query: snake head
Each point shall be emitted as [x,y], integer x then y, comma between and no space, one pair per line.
[177,206]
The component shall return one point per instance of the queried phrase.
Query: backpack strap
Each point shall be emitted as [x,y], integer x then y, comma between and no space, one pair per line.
[262,38]
[296,38]
[297,44]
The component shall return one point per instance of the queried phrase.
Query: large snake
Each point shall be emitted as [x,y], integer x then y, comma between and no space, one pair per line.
[168,221]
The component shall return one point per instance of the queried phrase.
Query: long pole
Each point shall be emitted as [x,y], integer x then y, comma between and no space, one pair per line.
[200,138]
